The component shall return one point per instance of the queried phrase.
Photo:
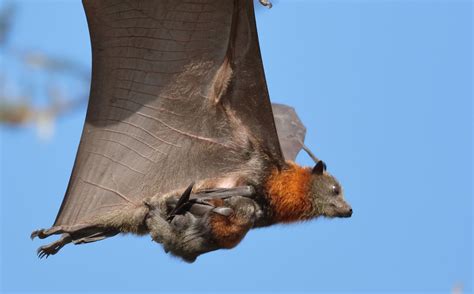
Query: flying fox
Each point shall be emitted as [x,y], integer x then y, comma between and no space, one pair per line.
[181,141]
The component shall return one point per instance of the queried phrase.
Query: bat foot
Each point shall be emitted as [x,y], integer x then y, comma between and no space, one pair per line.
[266,3]
[46,251]
[53,248]
[38,234]
[34,234]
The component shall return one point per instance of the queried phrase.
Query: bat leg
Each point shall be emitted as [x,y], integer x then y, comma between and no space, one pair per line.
[266,3]
[53,248]
[93,236]
[45,233]
[77,234]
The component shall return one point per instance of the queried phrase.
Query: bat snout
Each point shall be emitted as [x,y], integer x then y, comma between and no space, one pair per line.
[348,213]
[344,210]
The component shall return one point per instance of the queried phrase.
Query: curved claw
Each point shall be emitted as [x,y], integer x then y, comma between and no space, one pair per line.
[266,3]
[182,204]
[35,234]
[44,251]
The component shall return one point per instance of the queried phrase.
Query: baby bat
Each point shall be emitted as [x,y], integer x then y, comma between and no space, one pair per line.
[180,140]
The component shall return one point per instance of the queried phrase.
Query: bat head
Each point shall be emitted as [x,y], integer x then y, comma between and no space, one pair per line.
[327,194]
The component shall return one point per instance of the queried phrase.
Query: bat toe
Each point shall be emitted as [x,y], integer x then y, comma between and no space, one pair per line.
[46,251]
[53,248]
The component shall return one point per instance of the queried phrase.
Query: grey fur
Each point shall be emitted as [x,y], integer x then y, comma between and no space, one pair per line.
[328,197]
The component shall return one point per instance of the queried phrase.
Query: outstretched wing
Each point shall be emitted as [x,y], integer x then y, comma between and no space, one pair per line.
[162,72]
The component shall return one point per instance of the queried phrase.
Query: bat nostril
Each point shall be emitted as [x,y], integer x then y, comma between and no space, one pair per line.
[350,212]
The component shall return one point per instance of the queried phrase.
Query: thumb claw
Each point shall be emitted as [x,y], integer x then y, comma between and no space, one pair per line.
[266,3]
[225,211]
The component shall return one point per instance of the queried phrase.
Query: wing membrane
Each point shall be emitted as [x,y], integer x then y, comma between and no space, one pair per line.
[159,71]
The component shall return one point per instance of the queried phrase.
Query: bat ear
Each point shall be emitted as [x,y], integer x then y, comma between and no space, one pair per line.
[319,168]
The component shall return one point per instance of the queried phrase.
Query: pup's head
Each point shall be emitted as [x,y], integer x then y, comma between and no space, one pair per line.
[327,195]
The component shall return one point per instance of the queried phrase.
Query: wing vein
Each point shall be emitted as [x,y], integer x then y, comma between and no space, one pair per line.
[127,147]
[138,127]
[151,107]
[108,189]
[115,161]
[194,136]
[133,137]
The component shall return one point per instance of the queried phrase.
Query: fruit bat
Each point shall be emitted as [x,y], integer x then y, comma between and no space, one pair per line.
[180,140]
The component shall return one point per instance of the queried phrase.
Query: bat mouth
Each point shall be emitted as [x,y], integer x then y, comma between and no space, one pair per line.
[347,214]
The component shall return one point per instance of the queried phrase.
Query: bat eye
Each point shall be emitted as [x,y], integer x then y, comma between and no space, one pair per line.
[336,190]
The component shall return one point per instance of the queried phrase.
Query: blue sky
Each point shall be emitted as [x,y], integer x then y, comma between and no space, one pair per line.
[385,90]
